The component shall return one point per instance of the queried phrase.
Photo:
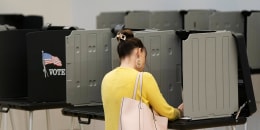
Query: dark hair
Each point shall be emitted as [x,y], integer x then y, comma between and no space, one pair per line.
[127,43]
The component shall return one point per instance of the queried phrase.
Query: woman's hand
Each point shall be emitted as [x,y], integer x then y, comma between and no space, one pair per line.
[181,108]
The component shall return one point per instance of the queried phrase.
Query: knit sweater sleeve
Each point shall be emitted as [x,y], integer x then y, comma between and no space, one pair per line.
[156,99]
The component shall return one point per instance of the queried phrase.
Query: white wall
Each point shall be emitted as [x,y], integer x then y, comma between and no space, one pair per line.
[83,13]
[58,12]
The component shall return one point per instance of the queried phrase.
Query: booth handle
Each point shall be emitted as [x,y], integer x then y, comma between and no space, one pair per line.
[84,122]
[4,109]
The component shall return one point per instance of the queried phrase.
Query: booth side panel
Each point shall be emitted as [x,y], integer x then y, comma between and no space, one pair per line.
[137,20]
[197,19]
[163,61]
[210,75]
[110,19]
[92,54]
[230,21]
[253,39]
[166,20]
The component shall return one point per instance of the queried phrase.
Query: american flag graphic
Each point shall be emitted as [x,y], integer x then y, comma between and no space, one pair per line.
[49,59]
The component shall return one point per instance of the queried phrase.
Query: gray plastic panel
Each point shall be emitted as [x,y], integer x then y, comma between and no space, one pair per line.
[88,58]
[110,19]
[230,21]
[6,27]
[163,61]
[114,54]
[256,85]
[253,46]
[197,19]
[2,28]
[137,19]
[166,20]
[210,75]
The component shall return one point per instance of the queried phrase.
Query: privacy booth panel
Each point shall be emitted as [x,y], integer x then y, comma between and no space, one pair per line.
[253,46]
[13,68]
[88,59]
[197,19]
[210,75]
[163,61]
[47,65]
[109,19]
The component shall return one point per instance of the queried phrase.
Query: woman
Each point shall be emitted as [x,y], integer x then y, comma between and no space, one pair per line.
[119,82]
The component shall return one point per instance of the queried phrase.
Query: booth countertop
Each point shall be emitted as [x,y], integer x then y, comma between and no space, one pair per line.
[96,112]
[27,105]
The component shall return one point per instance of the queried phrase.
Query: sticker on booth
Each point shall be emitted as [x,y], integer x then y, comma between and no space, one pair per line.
[48,59]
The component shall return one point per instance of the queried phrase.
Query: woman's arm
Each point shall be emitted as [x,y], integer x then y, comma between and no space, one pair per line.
[156,99]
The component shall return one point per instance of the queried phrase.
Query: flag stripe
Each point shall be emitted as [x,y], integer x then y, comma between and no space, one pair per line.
[49,59]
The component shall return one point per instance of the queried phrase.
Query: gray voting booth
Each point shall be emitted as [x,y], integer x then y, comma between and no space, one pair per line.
[216,77]
[214,20]
[166,20]
[197,19]
[3,28]
[253,46]
[6,27]
[210,75]
[162,20]
[88,58]
[163,61]
[110,19]
[231,21]
[235,22]
[137,19]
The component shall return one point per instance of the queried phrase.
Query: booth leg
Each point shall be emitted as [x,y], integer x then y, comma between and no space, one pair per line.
[245,126]
[30,120]
[4,121]
[1,120]
[48,120]
[12,120]
[72,123]
[80,126]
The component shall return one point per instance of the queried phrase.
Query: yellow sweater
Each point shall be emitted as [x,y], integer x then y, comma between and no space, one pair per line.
[119,83]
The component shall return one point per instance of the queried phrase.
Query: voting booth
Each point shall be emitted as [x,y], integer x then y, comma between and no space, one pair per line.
[210,75]
[6,27]
[197,19]
[253,45]
[110,19]
[214,74]
[88,59]
[161,20]
[22,22]
[230,21]
[13,76]
[166,20]
[46,65]
[163,61]
[206,89]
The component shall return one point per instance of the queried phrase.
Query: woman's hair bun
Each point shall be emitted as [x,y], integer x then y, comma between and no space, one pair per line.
[120,36]
[127,43]
[124,34]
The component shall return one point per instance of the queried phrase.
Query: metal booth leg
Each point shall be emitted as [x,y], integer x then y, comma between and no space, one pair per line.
[30,120]
[4,121]
[12,120]
[72,123]
[48,120]
[245,126]
[1,120]
[4,111]
[80,126]
[233,127]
